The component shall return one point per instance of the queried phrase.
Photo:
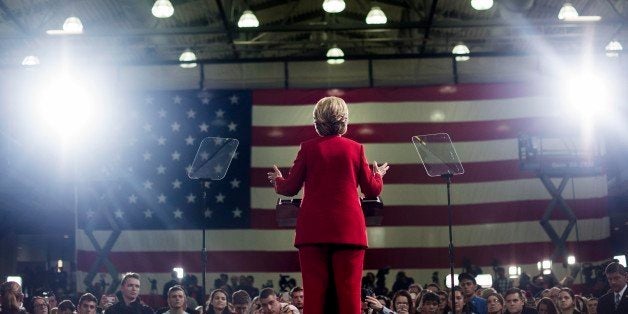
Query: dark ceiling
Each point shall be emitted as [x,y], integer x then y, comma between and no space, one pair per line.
[125,31]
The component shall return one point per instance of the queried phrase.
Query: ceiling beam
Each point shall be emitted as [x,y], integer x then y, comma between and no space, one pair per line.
[430,22]
[228,29]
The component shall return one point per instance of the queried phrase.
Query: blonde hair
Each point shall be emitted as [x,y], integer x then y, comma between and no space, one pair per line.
[330,116]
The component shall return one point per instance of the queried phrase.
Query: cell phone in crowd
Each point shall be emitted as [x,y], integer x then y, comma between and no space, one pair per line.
[366,292]
[112,299]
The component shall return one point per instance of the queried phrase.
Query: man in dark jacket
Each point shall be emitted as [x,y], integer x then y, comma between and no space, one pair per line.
[616,300]
[128,297]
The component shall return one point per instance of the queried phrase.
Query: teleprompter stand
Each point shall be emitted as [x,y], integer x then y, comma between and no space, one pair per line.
[440,159]
[211,162]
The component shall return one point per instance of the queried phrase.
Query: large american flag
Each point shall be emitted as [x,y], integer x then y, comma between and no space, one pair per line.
[496,206]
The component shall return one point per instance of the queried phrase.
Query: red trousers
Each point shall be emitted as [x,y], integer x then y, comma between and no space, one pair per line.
[322,264]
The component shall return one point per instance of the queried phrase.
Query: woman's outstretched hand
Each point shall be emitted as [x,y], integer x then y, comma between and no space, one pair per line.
[379,169]
[272,176]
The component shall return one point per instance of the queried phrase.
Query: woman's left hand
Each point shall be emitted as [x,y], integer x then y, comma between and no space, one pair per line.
[272,176]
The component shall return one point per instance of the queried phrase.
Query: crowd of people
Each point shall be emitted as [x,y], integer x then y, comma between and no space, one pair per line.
[468,297]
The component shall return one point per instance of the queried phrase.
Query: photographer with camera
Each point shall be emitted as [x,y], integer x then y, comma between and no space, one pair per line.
[371,305]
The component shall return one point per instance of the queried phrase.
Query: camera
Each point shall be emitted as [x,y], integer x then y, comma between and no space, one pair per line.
[366,292]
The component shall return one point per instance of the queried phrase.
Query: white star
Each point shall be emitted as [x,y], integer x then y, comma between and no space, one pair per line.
[208,213]
[147,156]
[235,155]
[148,213]
[218,169]
[232,126]
[188,169]
[220,113]
[148,185]
[178,214]
[191,198]
[217,141]
[235,183]
[191,114]
[119,213]
[233,99]
[189,140]
[176,99]
[132,199]
[162,113]
[175,126]
[220,198]
[207,184]
[204,127]
[161,199]
[205,101]
[161,141]
[90,214]
[237,213]
[176,155]
[147,127]
[148,100]
[161,169]
[205,155]
[176,184]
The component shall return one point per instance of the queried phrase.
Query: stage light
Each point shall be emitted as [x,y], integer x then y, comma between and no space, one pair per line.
[587,95]
[571,260]
[621,259]
[613,48]
[448,280]
[337,54]
[66,106]
[59,265]
[514,272]
[376,16]
[484,280]
[179,271]
[73,25]
[481,5]
[333,6]
[463,50]
[187,55]
[30,61]
[567,12]
[545,266]
[162,9]
[248,19]
[17,279]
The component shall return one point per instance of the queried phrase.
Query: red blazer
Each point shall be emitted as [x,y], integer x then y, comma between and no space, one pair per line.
[330,168]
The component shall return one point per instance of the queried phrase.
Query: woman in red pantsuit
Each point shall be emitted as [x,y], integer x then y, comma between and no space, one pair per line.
[331,231]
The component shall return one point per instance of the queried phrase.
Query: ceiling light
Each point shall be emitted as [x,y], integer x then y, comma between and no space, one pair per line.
[461,49]
[162,9]
[187,55]
[30,61]
[335,52]
[567,12]
[376,16]
[248,19]
[481,5]
[571,260]
[613,48]
[73,25]
[333,6]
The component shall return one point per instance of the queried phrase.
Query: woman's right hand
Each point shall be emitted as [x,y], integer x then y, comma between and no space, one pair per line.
[380,169]
[272,176]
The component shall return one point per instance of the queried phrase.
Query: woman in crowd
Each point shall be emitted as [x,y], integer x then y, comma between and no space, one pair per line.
[495,303]
[546,306]
[457,291]
[331,229]
[428,304]
[40,305]
[12,298]
[217,302]
[402,302]
[567,301]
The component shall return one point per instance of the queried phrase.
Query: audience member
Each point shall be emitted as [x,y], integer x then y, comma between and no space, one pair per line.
[495,303]
[297,298]
[217,303]
[468,285]
[428,304]
[87,304]
[546,306]
[592,305]
[12,298]
[515,302]
[502,283]
[128,297]
[270,304]
[40,306]
[402,303]
[66,307]
[616,300]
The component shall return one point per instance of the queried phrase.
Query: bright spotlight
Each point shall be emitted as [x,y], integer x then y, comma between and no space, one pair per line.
[66,107]
[586,94]
[448,280]
[484,280]
[17,279]
[514,272]
[571,260]
[179,271]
